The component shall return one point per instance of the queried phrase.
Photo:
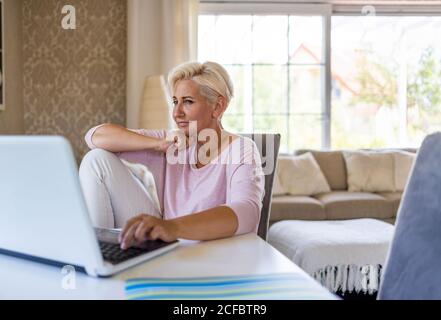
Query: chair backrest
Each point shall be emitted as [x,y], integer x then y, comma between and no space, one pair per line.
[268,145]
[414,258]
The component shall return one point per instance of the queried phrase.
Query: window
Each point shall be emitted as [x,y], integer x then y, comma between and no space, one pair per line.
[328,80]
[386,75]
[277,66]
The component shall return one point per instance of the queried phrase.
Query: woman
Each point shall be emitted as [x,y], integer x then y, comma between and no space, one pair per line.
[199,200]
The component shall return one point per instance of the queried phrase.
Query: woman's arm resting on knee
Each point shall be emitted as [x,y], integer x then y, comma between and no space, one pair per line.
[115,138]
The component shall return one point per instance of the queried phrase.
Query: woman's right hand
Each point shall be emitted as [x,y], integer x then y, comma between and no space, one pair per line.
[164,144]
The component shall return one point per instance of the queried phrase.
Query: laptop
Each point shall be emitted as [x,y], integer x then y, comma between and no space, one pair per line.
[43,214]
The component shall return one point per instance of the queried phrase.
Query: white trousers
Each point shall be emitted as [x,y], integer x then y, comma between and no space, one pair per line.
[113,194]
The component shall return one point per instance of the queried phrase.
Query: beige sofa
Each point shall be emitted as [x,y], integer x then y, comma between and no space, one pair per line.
[339,203]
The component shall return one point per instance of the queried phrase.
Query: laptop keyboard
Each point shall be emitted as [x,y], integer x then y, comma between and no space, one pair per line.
[113,253]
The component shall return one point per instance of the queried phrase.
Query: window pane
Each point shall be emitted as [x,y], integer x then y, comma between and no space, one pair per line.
[270,40]
[305,39]
[242,88]
[423,53]
[270,89]
[207,38]
[305,132]
[305,89]
[233,123]
[386,75]
[273,124]
[362,127]
[233,39]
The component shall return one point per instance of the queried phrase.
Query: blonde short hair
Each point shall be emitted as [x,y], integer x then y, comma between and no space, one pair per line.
[212,78]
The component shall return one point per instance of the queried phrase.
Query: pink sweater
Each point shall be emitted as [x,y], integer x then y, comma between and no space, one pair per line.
[184,189]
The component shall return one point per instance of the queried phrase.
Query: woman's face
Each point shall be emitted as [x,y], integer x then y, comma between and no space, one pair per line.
[190,105]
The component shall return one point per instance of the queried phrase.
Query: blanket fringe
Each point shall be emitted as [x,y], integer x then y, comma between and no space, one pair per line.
[349,278]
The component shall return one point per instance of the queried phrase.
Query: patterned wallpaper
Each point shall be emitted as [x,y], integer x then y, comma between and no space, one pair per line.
[74,79]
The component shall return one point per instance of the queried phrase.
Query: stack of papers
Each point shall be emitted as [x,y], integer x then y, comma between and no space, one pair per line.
[290,286]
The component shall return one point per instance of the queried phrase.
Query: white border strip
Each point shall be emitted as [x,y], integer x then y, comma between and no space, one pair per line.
[240,8]
[390,10]
[282,8]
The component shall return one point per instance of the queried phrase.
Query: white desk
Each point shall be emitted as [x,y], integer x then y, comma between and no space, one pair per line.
[243,255]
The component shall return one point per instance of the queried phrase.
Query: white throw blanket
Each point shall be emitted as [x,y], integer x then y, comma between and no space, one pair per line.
[143,174]
[344,255]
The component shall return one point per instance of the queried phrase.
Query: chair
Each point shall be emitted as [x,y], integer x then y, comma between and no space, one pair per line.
[412,269]
[261,140]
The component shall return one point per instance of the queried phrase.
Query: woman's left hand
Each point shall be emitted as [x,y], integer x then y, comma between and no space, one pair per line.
[144,227]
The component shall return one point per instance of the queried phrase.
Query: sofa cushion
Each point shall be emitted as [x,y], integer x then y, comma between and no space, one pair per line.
[301,175]
[370,171]
[403,165]
[278,190]
[296,207]
[393,199]
[351,205]
[332,165]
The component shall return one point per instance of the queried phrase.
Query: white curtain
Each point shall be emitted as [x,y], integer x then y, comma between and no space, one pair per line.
[160,35]
[180,34]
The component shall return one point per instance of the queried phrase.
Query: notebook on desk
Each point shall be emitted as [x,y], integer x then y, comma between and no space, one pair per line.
[279,286]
